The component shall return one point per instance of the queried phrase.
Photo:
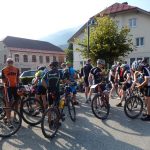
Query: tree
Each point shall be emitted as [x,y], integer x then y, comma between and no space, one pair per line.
[106,41]
[69,53]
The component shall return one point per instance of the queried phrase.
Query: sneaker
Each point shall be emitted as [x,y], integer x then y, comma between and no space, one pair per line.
[119,105]
[15,120]
[144,114]
[75,103]
[147,118]
[9,124]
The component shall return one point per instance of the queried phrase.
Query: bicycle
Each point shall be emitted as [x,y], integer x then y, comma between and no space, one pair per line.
[134,105]
[100,102]
[27,106]
[52,116]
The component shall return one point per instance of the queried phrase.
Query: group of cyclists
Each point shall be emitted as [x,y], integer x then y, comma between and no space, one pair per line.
[121,76]
[47,80]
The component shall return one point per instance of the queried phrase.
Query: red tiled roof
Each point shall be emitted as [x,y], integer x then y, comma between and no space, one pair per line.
[117,7]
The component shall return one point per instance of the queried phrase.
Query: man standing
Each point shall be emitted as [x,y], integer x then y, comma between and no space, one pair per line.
[98,74]
[71,78]
[85,74]
[10,78]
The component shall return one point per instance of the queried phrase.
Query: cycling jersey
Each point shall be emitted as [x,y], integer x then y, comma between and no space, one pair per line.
[10,75]
[86,70]
[96,73]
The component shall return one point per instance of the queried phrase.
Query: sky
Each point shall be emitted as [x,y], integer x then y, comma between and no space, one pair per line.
[36,19]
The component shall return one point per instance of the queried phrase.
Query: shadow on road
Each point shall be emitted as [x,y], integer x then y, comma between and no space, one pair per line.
[85,134]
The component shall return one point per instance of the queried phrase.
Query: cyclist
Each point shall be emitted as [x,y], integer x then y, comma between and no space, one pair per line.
[112,78]
[97,73]
[10,78]
[146,86]
[40,90]
[70,76]
[85,74]
[51,81]
[125,81]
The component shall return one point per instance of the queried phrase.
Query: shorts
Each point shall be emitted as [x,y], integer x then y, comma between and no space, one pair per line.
[11,94]
[86,82]
[147,91]
[40,90]
[126,86]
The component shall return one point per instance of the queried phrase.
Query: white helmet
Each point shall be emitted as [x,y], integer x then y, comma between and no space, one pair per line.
[101,61]
[136,65]
[9,60]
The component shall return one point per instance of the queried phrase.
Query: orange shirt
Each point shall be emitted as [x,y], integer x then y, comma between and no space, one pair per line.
[10,76]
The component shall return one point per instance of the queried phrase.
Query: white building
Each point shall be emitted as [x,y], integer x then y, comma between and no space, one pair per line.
[29,54]
[138,20]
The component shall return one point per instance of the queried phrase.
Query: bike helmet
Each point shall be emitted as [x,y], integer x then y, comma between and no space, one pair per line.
[101,61]
[39,74]
[114,67]
[54,64]
[137,65]
[41,68]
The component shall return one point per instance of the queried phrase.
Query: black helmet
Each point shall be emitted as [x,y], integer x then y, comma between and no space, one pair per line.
[41,68]
[54,64]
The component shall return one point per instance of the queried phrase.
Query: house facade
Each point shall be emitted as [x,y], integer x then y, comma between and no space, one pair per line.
[29,54]
[138,20]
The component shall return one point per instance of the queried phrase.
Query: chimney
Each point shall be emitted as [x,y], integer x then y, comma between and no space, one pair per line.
[126,3]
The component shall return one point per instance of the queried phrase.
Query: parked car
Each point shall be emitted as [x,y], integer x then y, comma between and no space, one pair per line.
[27,76]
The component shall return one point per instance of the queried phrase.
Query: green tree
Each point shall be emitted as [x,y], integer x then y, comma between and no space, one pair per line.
[106,41]
[69,53]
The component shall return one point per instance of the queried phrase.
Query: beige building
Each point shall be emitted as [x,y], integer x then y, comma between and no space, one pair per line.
[29,54]
[138,20]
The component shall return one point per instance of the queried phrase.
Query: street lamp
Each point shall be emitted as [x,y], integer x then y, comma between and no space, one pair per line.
[90,22]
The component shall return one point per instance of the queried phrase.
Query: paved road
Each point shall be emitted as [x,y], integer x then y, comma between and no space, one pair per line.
[88,133]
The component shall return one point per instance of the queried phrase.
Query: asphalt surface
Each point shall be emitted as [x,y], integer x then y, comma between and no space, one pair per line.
[88,133]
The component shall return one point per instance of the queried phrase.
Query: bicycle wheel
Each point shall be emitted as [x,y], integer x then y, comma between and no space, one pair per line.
[50,123]
[100,107]
[2,105]
[31,111]
[71,109]
[133,107]
[9,128]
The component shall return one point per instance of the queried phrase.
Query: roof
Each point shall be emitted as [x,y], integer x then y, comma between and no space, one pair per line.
[117,7]
[17,42]
[113,9]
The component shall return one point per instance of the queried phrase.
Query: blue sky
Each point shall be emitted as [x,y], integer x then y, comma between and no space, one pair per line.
[38,18]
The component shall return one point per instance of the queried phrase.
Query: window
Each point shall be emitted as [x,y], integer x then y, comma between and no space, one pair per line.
[139,59]
[54,58]
[33,58]
[61,59]
[140,41]
[41,59]
[5,57]
[132,22]
[47,59]
[16,58]
[147,59]
[131,61]
[25,58]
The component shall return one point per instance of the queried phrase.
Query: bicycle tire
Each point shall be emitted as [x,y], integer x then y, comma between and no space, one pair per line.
[2,105]
[98,99]
[71,109]
[28,108]
[15,125]
[131,103]
[49,125]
